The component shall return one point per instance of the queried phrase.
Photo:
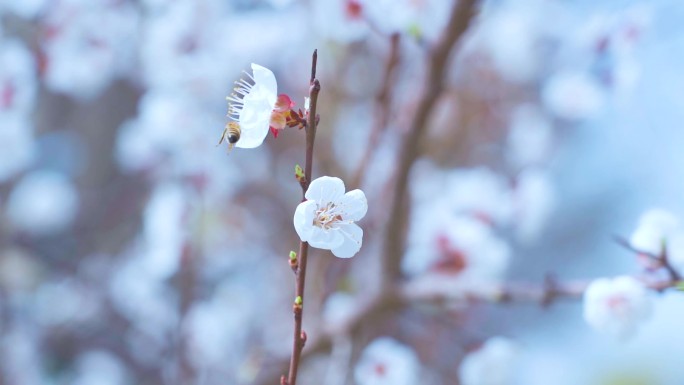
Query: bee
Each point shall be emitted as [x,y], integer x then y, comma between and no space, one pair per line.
[231,134]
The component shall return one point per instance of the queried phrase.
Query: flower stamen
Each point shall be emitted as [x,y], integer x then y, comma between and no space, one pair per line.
[236,99]
[327,217]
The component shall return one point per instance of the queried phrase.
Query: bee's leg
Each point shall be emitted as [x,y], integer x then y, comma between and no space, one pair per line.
[223,136]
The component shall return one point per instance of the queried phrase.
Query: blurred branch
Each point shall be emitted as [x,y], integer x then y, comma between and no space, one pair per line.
[410,294]
[187,277]
[657,261]
[459,21]
[301,258]
[383,107]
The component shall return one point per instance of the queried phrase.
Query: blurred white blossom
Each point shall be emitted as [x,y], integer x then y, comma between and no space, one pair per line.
[460,250]
[18,82]
[43,203]
[337,309]
[174,135]
[617,306]
[530,136]
[99,367]
[655,228]
[573,95]
[211,328]
[509,36]
[65,302]
[387,362]
[16,144]
[20,348]
[154,311]
[18,86]
[183,47]
[165,229]
[534,200]
[343,21]
[424,19]
[658,232]
[326,219]
[86,45]
[19,270]
[494,363]
[27,9]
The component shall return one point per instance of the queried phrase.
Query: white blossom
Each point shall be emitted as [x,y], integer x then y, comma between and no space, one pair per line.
[16,144]
[424,19]
[573,95]
[530,136]
[326,219]
[509,37]
[251,106]
[387,362]
[340,20]
[89,45]
[42,203]
[99,367]
[17,79]
[338,308]
[492,364]
[616,306]
[27,9]
[534,200]
[181,44]
[660,231]
[655,227]
[462,250]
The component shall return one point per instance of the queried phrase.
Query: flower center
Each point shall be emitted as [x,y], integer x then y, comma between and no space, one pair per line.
[380,369]
[452,260]
[236,99]
[326,217]
[618,304]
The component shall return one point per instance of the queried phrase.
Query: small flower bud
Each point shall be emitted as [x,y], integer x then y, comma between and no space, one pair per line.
[293,255]
[299,300]
[303,337]
[299,172]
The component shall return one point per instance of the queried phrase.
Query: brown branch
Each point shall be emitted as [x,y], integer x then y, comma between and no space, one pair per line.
[300,274]
[384,103]
[661,260]
[459,20]
[406,295]
[517,292]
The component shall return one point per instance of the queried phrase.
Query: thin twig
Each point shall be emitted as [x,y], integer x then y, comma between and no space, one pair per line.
[394,237]
[382,114]
[662,260]
[300,276]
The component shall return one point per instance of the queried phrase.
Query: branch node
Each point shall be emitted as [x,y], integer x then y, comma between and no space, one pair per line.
[550,290]
[303,338]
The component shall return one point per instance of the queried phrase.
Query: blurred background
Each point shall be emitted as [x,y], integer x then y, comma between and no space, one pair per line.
[135,251]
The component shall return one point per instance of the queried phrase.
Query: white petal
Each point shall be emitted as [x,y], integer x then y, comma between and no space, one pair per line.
[265,82]
[353,237]
[354,205]
[325,189]
[303,219]
[325,239]
[254,122]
